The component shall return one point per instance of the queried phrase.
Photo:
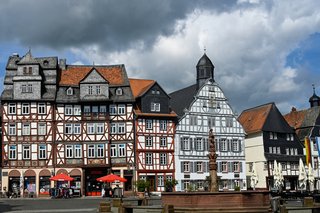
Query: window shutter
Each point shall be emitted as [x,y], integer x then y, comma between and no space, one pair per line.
[206,145]
[191,167]
[240,148]
[207,167]
[240,165]
[195,167]
[181,143]
[217,144]
[182,169]
[230,169]
[228,145]
[219,166]
[191,144]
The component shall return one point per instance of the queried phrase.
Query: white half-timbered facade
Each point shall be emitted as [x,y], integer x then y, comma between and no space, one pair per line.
[202,107]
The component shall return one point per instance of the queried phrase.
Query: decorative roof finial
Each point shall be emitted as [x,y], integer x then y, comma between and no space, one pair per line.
[205,50]
[314,90]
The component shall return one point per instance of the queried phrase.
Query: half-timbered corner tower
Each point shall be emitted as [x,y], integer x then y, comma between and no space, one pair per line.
[201,107]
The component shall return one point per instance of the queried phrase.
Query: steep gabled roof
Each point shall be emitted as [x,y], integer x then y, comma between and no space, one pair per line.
[140,86]
[264,118]
[75,73]
[182,99]
[303,121]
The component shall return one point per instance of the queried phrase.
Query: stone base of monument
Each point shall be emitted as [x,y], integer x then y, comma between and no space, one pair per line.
[244,201]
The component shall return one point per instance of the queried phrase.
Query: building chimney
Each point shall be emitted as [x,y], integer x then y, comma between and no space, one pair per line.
[63,63]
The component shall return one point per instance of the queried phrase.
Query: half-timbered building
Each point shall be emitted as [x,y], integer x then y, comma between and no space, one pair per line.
[270,139]
[71,119]
[201,107]
[306,123]
[154,133]
[28,110]
[94,123]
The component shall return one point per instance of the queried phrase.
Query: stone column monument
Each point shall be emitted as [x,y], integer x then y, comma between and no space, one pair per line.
[213,163]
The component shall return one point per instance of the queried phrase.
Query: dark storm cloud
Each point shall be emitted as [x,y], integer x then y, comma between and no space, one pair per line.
[111,25]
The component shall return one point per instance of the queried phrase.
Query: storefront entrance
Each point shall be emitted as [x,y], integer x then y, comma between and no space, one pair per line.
[14,183]
[92,186]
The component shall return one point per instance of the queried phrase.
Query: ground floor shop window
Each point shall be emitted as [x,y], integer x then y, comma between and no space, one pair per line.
[44,185]
[75,185]
[29,184]
[14,186]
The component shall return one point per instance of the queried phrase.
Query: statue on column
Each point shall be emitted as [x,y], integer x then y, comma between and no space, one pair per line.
[212,163]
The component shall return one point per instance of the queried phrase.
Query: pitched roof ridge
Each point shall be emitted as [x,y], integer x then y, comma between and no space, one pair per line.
[270,104]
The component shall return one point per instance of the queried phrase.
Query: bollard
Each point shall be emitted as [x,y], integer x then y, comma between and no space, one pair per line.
[105,207]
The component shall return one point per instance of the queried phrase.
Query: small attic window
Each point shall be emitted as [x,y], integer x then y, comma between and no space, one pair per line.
[45,62]
[158,92]
[119,91]
[69,91]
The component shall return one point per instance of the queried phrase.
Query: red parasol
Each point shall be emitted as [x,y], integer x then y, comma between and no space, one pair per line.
[61,177]
[111,178]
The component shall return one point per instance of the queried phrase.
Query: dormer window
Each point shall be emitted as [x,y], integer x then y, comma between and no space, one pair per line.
[69,91]
[27,70]
[118,91]
[45,62]
[155,107]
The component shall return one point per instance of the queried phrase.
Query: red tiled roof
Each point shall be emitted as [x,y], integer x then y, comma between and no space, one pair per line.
[295,118]
[253,119]
[74,74]
[140,86]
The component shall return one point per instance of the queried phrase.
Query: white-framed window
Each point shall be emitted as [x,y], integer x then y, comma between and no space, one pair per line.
[100,150]
[69,151]
[121,109]
[113,150]
[163,125]
[295,151]
[185,143]
[193,120]
[98,90]
[12,108]
[160,180]
[77,129]
[26,88]
[199,167]
[113,109]
[149,124]
[149,140]
[69,91]
[155,107]
[278,150]
[12,152]
[100,128]
[67,129]
[12,129]
[26,152]
[121,128]
[224,166]
[199,144]
[163,141]
[235,145]
[148,158]
[25,108]
[223,145]
[68,110]
[119,91]
[26,129]
[91,128]
[91,151]
[95,110]
[42,108]
[186,166]
[163,159]
[77,151]
[236,166]
[122,150]
[273,136]
[103,110]
[42,129]
[90,90]
[77,110]
[42,151]
[113,128]
[86,110]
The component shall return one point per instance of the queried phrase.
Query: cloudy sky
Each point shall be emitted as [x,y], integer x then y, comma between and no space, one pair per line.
[263,51]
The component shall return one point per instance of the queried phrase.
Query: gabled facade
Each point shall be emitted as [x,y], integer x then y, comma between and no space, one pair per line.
[268,138]
[28,116]
[60,118]
[306,124]
[201,107]
[154,133]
